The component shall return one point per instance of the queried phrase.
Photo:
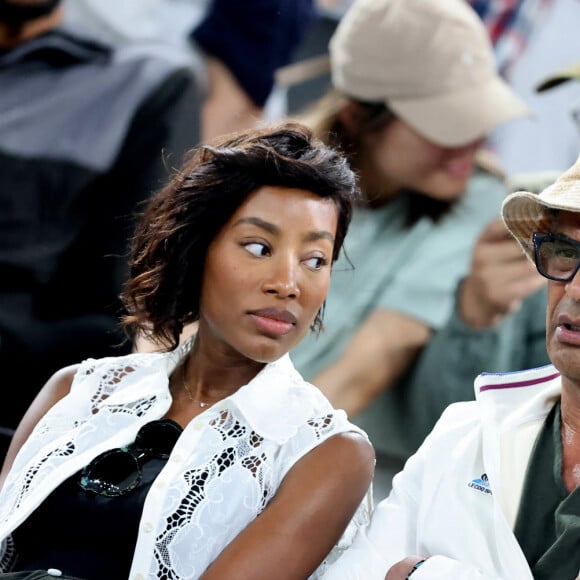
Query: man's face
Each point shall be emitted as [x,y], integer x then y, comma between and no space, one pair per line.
[563,310]
[18,12]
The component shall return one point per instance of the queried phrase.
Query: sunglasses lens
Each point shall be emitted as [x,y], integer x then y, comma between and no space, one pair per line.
[118,471]
[111,474]
[158,437]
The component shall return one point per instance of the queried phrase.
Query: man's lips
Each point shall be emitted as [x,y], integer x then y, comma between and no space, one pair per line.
[568,329]
[570,322]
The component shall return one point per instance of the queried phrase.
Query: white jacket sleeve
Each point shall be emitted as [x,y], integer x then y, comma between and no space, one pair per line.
[393,535]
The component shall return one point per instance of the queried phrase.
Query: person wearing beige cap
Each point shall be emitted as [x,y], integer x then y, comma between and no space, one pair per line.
[506,332]
[466,505]
[415,93]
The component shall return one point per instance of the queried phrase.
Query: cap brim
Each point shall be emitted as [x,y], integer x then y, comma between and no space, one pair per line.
[455,119]
[563,76]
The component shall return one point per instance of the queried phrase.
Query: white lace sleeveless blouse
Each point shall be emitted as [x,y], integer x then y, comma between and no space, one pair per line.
[224,469]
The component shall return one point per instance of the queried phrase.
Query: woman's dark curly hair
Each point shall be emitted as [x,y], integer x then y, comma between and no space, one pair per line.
[180,221]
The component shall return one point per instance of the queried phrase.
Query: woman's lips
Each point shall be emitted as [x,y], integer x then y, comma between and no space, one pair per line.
[273,321]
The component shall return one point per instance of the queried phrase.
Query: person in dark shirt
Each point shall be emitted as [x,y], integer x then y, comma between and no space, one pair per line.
[235,48]
[87,132]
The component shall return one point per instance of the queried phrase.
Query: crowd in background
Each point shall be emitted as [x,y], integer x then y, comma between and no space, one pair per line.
[441,109]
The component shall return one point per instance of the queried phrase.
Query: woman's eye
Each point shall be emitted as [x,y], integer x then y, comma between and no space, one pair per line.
[316,263]
[257,249]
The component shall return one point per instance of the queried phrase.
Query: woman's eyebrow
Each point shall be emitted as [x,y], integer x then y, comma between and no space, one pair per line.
[319,235]
[256,221]
[275,230]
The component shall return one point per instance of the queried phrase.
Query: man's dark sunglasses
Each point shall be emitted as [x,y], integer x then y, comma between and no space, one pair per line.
[118,471]
[557,256]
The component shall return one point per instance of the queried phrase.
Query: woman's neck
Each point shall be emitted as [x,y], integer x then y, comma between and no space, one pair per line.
[213,373]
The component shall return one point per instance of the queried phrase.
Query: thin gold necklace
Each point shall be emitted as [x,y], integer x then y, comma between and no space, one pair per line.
[202,404]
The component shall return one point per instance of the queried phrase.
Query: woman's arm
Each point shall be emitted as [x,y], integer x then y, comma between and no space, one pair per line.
[53,391]
[306,517]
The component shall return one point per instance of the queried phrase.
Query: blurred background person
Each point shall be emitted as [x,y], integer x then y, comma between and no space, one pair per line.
[497,324]
[234,48]
[86,133]
[492,493]
[532,39]
[416,94]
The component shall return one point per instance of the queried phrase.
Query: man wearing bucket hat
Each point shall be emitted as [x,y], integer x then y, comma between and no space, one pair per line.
[415,93]
[467,501]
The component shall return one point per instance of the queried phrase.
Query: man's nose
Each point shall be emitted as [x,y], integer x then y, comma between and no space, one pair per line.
[573,287]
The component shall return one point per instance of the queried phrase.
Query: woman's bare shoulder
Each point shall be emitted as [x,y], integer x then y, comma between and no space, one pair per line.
[57,387]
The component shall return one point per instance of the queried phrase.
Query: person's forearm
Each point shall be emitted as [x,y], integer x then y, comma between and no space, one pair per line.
[353,387]
[227,107]
[345,391]
[382,349]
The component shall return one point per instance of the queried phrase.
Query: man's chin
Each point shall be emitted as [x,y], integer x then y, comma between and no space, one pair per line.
[566,358]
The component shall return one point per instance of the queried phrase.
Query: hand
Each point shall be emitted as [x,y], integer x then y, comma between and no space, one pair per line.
[400,570]
[227,107]
[501,277]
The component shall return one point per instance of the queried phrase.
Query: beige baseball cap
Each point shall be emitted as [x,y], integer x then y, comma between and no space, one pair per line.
[430,61]
[525,212]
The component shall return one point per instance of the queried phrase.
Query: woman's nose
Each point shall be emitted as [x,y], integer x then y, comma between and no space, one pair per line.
[283,279]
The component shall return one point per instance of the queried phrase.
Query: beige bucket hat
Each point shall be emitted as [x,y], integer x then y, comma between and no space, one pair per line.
[525,213]
[430,61]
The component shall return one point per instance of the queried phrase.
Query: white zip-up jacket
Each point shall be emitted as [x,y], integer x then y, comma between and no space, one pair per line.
[457,498]
[224,469]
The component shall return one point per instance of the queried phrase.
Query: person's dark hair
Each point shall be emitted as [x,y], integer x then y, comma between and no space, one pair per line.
[180,221]
[371,117]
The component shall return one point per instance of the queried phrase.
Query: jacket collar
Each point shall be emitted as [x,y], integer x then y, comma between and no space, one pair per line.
[511,398]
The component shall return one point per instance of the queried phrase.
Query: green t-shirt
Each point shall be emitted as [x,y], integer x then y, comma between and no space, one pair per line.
[548,522]
[409,270]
